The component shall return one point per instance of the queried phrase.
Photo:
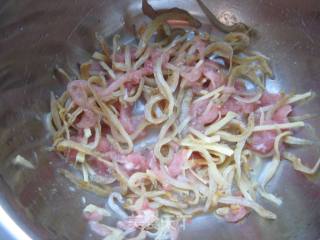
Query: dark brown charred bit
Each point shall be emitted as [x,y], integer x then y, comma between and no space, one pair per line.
[149,11]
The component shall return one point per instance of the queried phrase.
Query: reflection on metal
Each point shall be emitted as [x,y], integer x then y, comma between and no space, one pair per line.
[273,86]
[227,17]
[7,222]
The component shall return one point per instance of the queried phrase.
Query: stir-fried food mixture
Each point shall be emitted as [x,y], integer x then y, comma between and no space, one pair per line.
[171,127]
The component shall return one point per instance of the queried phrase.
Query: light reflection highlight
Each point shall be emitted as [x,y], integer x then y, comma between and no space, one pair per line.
[7,222]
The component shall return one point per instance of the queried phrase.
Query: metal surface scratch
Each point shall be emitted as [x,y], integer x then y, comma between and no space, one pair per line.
[308,36]
[79,23]
[287,52]
[83,19]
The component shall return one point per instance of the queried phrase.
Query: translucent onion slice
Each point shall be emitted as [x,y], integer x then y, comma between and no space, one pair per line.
[247,203]
[271,169]
[253,99]
[294,99]
[297,141]
[93,208]
[214,127]
[163,86]
[279,126]
[239,41]
[68,144]
[87,186]
[170,203]
[151,113]
[114,206]
[203,137]
[221,49]
[217,147]
[19,160]
[55,112]
[299,166]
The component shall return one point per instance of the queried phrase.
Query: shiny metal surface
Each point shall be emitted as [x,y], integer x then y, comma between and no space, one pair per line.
[36,36]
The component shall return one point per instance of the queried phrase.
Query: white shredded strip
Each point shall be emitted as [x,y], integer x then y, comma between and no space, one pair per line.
[247,203]
[19,160]
[278,126]
[221,123]
[93,208]
[299,97]
[115,207]
[210,94]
